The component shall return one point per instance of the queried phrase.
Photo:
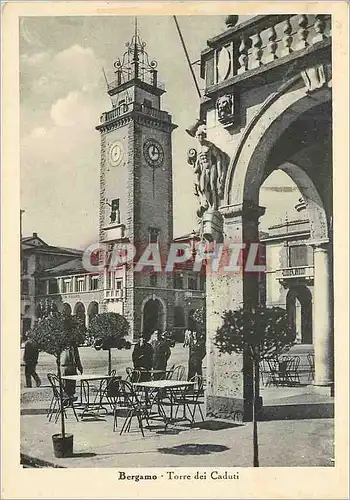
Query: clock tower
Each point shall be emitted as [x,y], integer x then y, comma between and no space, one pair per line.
[136,205]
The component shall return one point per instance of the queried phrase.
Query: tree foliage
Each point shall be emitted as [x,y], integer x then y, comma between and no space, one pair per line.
[56,332]
[107,330]
[263,330]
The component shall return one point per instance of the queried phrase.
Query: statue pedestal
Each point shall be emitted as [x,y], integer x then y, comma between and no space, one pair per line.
[212,226]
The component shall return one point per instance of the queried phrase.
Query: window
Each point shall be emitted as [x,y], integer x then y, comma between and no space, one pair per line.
[153,280]
[118,283]
[178,281]
[40,287]
[67,286]
[25,287]
[25,266]
[153,234]
[147,103]
[192,282]
[80,284]
[93,282]
[298,256]
[202,281]
[53,286]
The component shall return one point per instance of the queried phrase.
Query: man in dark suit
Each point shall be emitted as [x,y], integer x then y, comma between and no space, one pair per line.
[30,358]
[142,357]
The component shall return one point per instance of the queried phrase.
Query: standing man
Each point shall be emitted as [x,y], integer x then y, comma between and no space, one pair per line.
[161,352]
[196,356]
[30,358]
[142,357]
[70,363]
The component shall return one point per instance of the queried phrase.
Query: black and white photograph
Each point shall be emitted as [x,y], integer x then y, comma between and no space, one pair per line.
[177,237]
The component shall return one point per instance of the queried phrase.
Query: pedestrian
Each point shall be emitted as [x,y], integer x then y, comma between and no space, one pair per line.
[30,358]
[71,363]
[161,353]
[196,355]
[188,338]
[142,357]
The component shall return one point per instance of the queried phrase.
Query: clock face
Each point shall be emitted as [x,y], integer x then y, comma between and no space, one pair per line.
[116,152]
[153,152]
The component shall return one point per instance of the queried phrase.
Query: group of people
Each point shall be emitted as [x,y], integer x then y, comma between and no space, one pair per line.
[70,363]
[147,355]
[154,354]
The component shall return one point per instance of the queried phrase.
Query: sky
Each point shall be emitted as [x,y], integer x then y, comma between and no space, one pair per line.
[62,95]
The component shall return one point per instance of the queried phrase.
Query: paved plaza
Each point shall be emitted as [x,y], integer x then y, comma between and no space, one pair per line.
[297,430]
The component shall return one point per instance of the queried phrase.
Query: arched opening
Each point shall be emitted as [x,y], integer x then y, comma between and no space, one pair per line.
[66,309]
[92,310]
[153,317]
[299,309]
[79,311]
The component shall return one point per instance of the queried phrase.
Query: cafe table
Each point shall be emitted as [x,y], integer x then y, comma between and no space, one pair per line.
[159,390]
[87,404]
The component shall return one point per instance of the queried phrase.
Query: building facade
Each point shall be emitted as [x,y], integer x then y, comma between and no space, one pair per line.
[267,105]
[289,277]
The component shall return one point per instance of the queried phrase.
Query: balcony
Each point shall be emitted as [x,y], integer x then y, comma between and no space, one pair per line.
[113,294]
[124,108]
[260,44]
[287,273]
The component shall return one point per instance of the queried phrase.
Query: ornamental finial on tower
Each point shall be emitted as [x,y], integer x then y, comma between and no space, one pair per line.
[135,63]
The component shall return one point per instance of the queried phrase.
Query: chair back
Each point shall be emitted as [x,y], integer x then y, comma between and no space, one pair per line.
[113,387]
[126,395]
[178,373]
[132,376]
[198,383]
[54,382]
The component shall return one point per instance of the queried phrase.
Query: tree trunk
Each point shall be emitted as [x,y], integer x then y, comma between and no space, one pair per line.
[109,361]
[255,409]
[58,361]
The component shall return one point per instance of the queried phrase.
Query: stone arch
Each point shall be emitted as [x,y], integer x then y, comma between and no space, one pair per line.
[92,310]
[301,294]
[79,310]
[66,308]
[247,169]
[161,313]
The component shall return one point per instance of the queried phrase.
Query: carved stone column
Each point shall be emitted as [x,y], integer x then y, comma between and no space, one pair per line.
[322,316]
[229,380]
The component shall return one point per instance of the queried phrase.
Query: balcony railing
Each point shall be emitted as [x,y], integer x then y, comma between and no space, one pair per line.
[295,272]
[127,108]
[113,294]
[260,41]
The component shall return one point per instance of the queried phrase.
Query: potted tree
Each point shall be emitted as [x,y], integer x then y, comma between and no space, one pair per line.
[261,333]
[107,331]
[53,334]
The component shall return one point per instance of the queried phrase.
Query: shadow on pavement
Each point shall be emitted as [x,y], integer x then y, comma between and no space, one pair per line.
[193,449]
[216,425]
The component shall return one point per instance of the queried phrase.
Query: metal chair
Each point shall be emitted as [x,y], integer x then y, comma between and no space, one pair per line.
[191,397]
[55,404]
[132,375]
[129,403]
[178,373]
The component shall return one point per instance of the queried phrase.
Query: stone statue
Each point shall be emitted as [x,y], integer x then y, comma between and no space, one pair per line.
[209,165]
